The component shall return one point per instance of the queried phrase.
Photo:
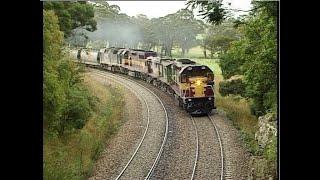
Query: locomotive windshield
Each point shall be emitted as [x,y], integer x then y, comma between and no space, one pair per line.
[148,54]
[197,71]
[193,71]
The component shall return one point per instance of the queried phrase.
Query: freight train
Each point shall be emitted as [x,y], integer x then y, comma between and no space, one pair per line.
[191,84]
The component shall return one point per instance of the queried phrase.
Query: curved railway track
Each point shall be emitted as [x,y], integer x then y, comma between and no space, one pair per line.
[221,147]
[223,174]
[222,159]
[197,148]
[147,129]
[216,131]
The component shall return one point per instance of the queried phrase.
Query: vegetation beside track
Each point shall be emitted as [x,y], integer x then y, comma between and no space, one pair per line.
[73,155]
[246,47]
[252,56]
[239,112]
[79,113]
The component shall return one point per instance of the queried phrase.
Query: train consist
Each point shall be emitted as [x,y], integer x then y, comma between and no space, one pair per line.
[191,83]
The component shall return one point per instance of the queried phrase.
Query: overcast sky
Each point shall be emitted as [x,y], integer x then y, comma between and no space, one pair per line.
[154,9]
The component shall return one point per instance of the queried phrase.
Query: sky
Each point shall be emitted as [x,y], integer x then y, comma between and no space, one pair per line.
[155,9]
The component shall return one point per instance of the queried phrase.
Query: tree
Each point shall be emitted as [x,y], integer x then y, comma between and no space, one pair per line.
[147,34]
[187,28]
[255,56]
[213,11]
[216,12]
[73,15]
[219,37]
[66,102]
[178,29]
[53,93]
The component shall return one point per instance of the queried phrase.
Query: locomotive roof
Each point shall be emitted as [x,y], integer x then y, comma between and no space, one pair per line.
[196,65]
[186,61]
[141,50]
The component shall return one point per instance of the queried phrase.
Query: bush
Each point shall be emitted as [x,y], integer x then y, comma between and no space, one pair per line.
[79,108]
[255,57]
[232,87]
[67,103]
[73,155]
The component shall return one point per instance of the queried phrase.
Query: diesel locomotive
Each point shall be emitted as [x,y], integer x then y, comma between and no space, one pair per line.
[191,84]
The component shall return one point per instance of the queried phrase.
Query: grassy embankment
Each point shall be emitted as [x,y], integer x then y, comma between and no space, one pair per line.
[237,109]
[73,155]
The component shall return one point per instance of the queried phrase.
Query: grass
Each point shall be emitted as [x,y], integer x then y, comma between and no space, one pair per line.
[195,52]
[73,156]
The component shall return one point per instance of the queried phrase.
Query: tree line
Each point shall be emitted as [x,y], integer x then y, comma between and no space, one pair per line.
[118,29]
[246,46]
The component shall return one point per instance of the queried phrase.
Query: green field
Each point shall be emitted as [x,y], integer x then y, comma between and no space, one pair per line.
[195,52]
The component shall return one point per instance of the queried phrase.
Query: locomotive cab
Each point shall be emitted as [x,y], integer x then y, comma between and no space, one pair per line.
[195,83]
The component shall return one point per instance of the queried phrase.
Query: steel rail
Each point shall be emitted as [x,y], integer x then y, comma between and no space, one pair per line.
[167,122]
[221,147]
[145,132]
[197,149]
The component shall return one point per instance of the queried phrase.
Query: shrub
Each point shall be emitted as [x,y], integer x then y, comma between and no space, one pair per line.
[67,103]
[232,87]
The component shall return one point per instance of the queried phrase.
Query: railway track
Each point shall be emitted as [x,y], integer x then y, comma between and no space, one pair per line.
[221,147]
[197,148]
[223,171]
[201,121]
[138,157]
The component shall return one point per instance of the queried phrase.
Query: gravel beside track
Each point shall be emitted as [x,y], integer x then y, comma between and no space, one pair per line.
[149,149]
[209,160]
[130,133]
[236,157]
[179,153]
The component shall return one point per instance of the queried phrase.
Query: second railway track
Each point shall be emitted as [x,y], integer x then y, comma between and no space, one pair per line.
[144,159]
[209,158]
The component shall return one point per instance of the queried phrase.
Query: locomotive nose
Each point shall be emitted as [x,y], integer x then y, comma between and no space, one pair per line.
[198,82]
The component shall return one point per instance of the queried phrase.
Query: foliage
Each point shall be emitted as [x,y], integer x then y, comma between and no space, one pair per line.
[67,103]
[173,30]
[73,156]
[231,62]
[72,15]
[217,43]
[213,11]
[53,97]
[217,38]
[186,28]
[232,87]
[76,123]
[180,29]
[255,56]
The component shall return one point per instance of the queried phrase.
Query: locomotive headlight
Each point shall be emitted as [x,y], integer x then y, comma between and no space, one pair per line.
[198,82]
